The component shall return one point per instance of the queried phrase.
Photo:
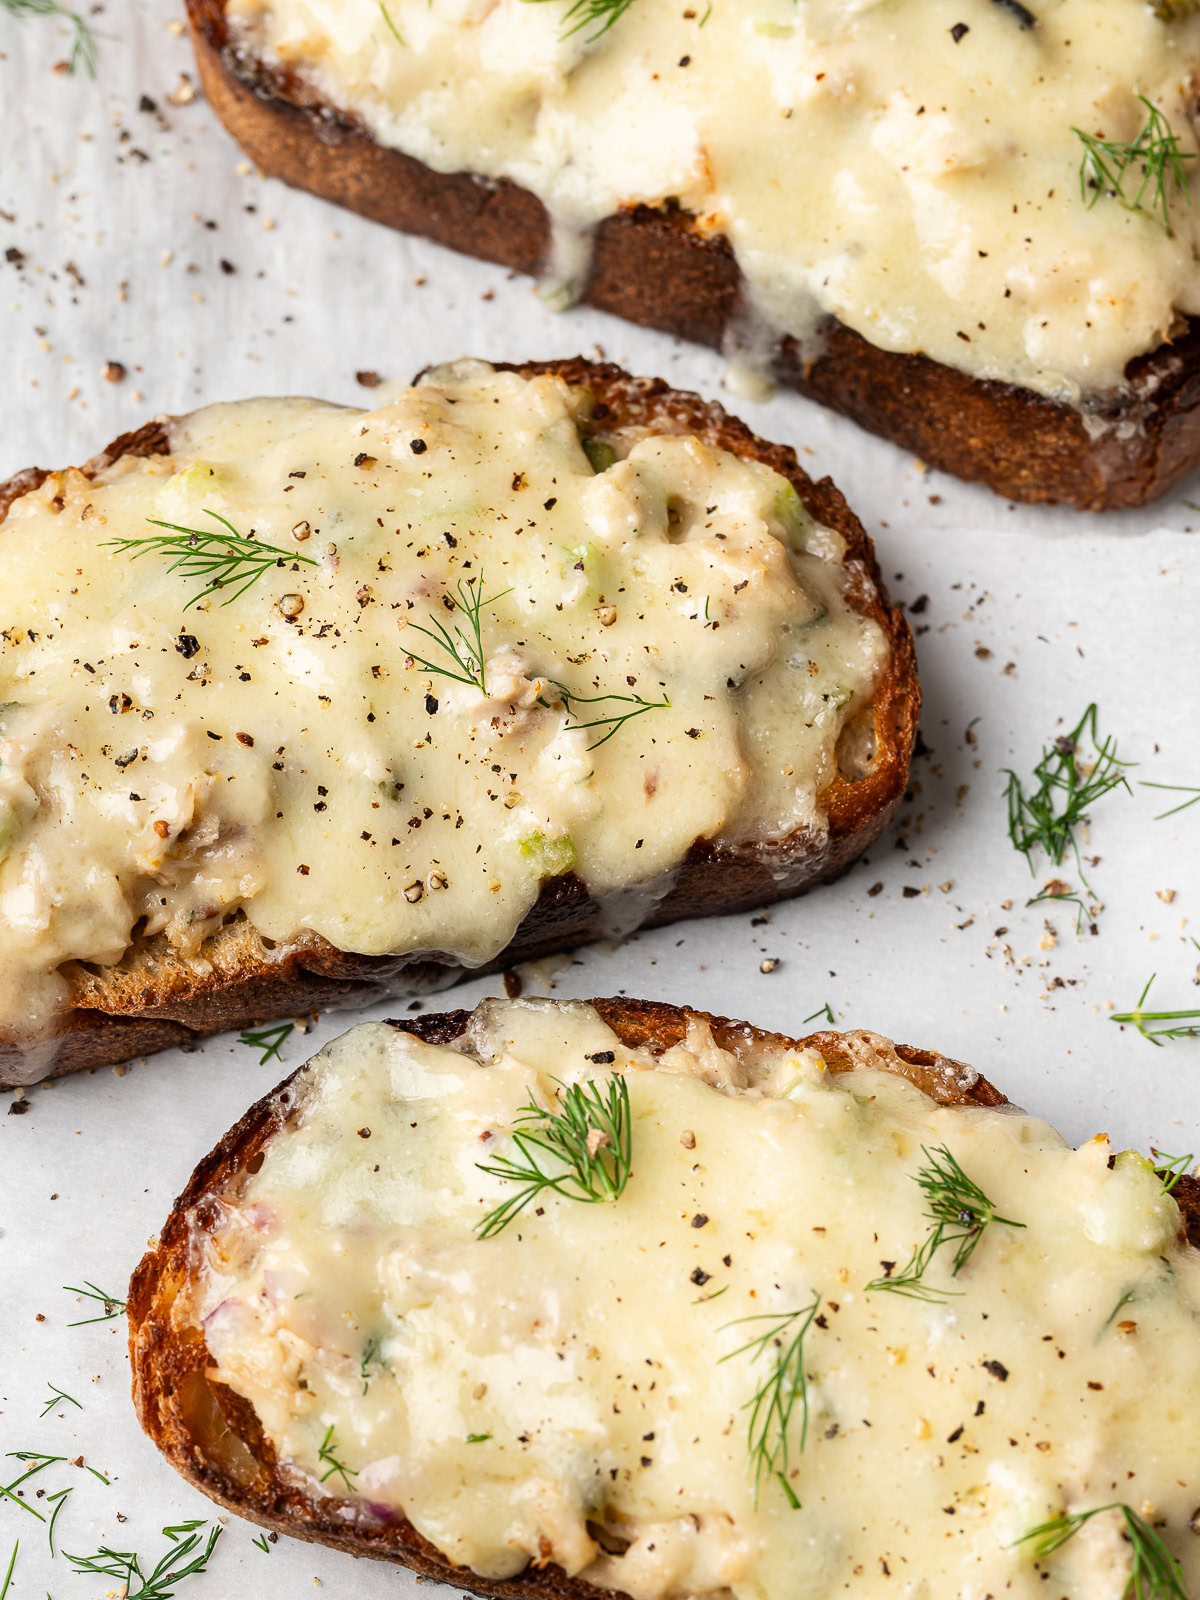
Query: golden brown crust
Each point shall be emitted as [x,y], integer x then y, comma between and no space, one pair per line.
[213,1437]
[654,267]
[152,999]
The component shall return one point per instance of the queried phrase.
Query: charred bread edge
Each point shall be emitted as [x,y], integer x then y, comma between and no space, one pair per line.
[140,1011]
[235,1465]
[653,266]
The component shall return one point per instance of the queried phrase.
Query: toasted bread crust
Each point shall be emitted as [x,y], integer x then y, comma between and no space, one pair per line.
[213,1437]
[653,266]
[152,999]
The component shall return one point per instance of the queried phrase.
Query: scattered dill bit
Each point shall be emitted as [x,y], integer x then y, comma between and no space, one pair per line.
[478,1438]
[773,1402]
[392,28]
[465,649]
[1170,1169]
[1156,1573]
[1106,165]
[113,1306]
[715,1295]
[57,1501]
[125,1566]
[599,15]
[332,1464]
[8,1490]
[1037,820]
[261,1543]
[1126,1299]
[613,722]
[370,1357]
[223,558]
[707,14]
[1179,788]
[589,1140]
[1061,893]
[825,1011]
[958,1213]
[83,42]
[268,1040]
[11,1567]
[55,1396]
[1139,1019]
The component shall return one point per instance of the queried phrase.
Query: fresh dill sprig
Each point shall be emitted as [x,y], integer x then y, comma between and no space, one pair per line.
[1169,1169]
[58,1501]
[331,1463]
[613,722]
[825,1011]
[1106,164]
[55,1396]
[113,1306]
[267,1040]
[223,558]
[8,1491]
[174,1565]
[1179,788]
[478,1438]
[83,43]
[1048,816]
[599,15]
[463,646]
[958,1213]
[1156,1573]
[261,1543]
[12,1562]
[1140,1018]
[587,1139]
[773,1402]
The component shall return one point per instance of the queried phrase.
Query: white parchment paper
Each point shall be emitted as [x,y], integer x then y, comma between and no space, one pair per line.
[136,234]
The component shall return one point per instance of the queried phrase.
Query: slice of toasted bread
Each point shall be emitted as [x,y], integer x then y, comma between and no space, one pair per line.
[658,268]
[215,1439]
[152,999]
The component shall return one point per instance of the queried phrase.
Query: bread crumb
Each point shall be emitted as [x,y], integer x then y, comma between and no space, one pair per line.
[1165,895]
[120,1070]
[184,91]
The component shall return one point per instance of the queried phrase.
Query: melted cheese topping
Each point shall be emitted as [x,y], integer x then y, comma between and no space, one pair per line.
[568,1390]
[910,167]
[280,755]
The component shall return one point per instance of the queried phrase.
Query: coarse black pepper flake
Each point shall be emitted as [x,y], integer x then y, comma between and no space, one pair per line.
[959,32]
[700,1277]
[417,446]
[699,1220]
[431,704]
[601,1057]
[997,1370]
